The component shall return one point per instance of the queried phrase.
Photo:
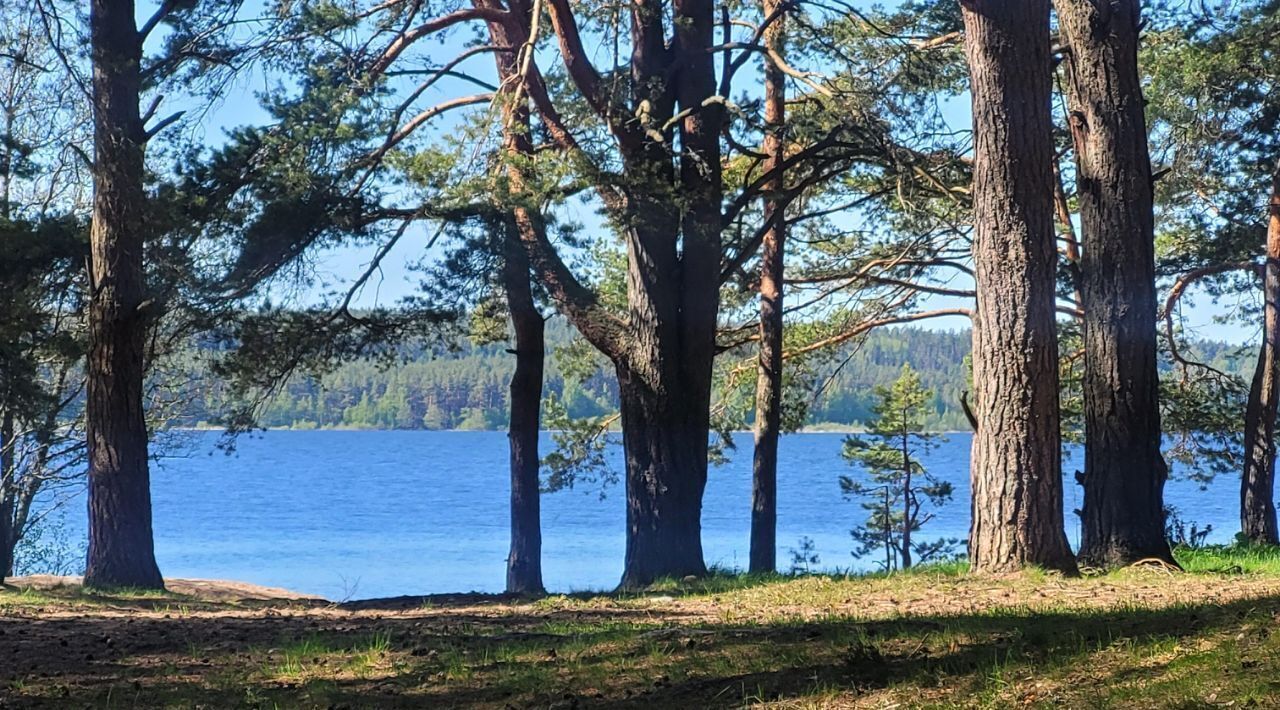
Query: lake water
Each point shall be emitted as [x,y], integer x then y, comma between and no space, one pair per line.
[358,514]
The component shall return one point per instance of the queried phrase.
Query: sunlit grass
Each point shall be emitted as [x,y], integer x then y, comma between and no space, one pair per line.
[321,657]
[930,637]
[1230,559]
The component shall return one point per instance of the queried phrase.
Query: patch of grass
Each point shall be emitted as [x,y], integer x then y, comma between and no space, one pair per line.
[1230,559]
[328,656]
[931,637]
[78,596]
[719,581]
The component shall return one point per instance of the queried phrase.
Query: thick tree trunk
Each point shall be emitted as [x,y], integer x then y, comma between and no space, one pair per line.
[1016,468]
[524,563]
[1124,471]
[1257,487]
[670,213]
[666,462]
[121,550]
[768,424]
[673,297]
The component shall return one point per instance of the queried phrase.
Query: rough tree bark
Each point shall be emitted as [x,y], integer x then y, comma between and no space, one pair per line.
[1124,471]
[1016,469]
[524,563]
[1257,486]
[121,549]
[667,204]
[908,500]
[768,423]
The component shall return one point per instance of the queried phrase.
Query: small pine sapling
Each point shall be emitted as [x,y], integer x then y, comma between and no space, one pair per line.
[894,487]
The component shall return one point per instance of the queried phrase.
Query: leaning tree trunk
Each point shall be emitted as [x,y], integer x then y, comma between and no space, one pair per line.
[1124,471]
[524,563]
[768,424]
[121,549]
[1016,467]
[1257,487]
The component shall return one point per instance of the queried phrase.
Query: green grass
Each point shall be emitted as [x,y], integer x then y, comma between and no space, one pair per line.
[319,655]
[931,637]
[1230,559]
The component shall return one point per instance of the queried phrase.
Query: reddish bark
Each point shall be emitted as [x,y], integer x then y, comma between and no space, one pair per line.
[1016,469]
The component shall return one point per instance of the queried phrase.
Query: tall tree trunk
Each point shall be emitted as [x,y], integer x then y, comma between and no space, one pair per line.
[524,563]
[8,448]
[670,213]
[768,424]
[8,493]
[1124,471]
[1016,468]
[1257,486]
[908,513]
[121,549]
[673,294]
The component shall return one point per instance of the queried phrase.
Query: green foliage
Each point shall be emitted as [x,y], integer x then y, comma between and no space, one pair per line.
[440,386]
[48,547]
[581,444]
[1203,421]
[804,556]
[895,487]
[1183,533]
[847,380]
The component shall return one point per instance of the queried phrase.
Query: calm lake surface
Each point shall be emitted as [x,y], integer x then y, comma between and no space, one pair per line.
[358,514]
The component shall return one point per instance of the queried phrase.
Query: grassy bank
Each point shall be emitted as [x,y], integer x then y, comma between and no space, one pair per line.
[933,638]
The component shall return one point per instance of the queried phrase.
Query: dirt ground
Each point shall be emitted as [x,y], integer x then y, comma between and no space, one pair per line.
[223,644]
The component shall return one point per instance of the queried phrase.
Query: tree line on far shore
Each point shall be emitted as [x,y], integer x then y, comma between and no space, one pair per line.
[467,387]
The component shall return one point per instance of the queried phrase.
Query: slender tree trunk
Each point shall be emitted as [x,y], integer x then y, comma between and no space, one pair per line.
[764,472]
[888,533]
[8,448]
[1071,251]
[8,494]
[1257,487]
[121,549]
[906,500]
[1124,471]
[1016,469]
[524,563]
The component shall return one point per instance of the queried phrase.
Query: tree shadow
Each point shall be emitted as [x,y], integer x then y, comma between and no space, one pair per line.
[578,657]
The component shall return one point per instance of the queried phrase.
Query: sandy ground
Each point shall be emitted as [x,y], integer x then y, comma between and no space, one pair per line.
[206,589]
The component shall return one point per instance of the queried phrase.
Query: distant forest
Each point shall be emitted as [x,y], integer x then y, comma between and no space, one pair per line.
[466,388]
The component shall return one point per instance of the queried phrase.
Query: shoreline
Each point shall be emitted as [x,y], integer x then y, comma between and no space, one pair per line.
[818,429]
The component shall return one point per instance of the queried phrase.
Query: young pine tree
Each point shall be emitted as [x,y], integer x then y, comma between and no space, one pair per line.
[895,487]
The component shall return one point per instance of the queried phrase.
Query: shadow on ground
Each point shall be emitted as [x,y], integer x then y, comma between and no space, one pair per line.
[467,651]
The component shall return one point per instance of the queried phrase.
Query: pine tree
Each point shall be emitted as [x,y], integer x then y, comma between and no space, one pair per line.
[896,487]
